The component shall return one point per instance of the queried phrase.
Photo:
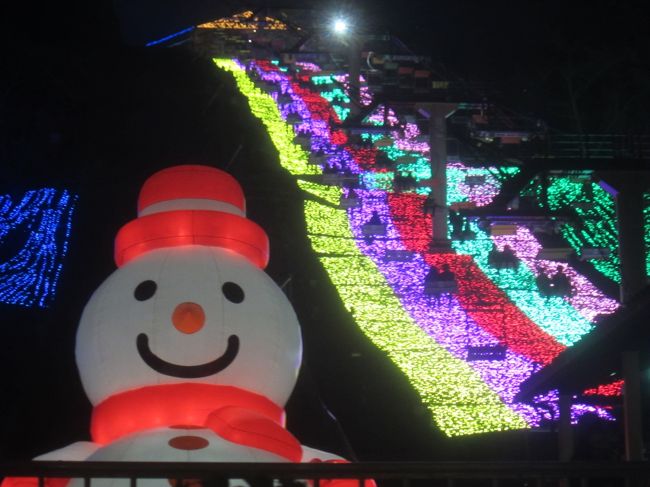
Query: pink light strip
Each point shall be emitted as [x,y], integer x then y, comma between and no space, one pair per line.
[482,194]
[587,300]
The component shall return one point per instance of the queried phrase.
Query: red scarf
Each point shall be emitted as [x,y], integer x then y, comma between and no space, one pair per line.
[235,414]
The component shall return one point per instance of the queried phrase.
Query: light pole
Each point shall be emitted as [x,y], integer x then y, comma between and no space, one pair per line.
[342,29]
[437,113]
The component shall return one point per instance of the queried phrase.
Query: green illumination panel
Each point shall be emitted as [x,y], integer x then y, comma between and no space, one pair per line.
[597,213]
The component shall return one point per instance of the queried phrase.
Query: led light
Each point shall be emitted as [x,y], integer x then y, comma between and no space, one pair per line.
[170,36]
[597,212]
[613,389]
[488,305]
[428,340]
[586,298]
[244,21]
[43,218]
[426,363]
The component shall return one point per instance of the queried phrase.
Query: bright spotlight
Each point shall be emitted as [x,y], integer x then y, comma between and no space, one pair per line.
[340,26]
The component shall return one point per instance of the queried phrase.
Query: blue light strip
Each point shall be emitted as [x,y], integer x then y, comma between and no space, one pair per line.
[43,218]
[171,36]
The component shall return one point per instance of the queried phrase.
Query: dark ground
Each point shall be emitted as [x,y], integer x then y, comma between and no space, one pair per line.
[124,112]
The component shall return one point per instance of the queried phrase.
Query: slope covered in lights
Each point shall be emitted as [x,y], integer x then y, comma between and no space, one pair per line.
[429,339]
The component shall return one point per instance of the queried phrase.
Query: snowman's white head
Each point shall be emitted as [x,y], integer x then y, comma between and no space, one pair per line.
[189,301]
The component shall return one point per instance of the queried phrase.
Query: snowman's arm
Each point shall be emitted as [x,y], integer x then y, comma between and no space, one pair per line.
[76,452]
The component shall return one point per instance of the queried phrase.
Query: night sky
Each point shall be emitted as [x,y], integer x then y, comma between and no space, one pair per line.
[122,112]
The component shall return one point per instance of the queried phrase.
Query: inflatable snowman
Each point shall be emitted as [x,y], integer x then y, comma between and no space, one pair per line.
[188,351]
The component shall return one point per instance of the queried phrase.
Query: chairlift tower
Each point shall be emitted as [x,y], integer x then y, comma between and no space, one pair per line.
[437,114]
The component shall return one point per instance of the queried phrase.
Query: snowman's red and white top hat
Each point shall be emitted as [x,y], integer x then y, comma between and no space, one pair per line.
[192,205]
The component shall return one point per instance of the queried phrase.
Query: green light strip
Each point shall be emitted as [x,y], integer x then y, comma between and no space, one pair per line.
[646,226]
[597,213]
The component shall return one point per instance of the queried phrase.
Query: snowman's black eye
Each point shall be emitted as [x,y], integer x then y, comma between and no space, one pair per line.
[145,290]
[233,292]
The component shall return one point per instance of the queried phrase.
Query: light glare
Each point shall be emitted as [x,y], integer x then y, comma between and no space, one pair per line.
[340,26]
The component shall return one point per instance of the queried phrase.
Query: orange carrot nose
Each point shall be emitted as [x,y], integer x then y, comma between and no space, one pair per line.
[188,317]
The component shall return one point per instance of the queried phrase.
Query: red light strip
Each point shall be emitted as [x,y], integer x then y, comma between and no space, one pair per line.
[612,389]
[485,303]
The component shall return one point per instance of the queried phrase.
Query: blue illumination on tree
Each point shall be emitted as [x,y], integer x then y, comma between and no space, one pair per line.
[34,234]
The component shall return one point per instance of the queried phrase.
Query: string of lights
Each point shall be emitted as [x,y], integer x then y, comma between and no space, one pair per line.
[596,210]
[500,382]
[557,318]
[442,317]
[41,223]
[170,36]
[511,171]
[482,299]
[586,299]
[459,190]
[508,172]
[490,188]
[245,21]
[612,389]
[646,226]
[551,401]
[362,285]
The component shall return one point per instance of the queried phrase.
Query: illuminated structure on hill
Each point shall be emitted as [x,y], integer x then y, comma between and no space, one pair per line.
[382,186]
[431,341]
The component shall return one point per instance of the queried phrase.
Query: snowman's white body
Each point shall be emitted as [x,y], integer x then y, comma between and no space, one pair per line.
[266,363]
[154,446]
[189,304]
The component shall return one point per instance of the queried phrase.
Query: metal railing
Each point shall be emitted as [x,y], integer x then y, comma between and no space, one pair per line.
[590,146]
[388,474]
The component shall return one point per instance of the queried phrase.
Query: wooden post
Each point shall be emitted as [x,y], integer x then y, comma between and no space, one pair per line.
[631,249]
[438,113]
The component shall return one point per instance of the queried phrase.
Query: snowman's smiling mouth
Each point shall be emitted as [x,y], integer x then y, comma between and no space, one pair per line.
[187,371]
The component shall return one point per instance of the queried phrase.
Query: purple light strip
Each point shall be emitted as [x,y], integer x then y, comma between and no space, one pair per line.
[483,194]
[409,141]
[311,67]
[445,322]
[552,398]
